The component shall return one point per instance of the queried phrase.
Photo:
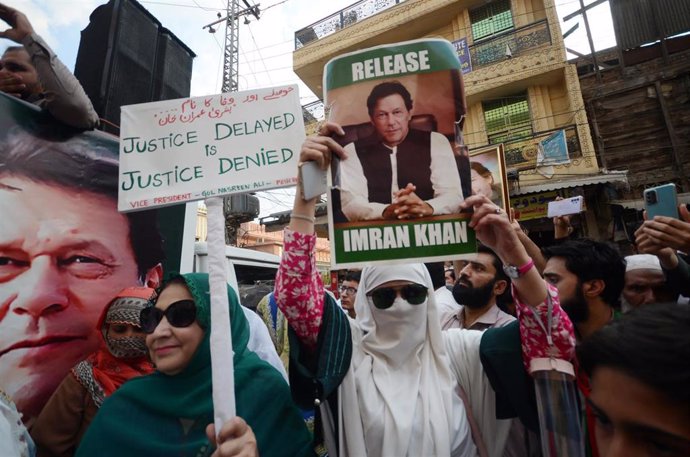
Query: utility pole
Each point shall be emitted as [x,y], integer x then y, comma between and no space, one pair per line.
[231,49]
[233,219]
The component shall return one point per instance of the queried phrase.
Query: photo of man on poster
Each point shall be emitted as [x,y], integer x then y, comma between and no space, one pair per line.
[65,252]
[402,169]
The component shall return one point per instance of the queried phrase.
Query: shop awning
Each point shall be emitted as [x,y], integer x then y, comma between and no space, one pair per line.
[638,203]
[573,181]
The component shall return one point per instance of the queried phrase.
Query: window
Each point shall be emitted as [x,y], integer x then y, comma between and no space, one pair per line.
[507,119]
[491,19]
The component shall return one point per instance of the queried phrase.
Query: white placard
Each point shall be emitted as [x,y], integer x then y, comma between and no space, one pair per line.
[177,151]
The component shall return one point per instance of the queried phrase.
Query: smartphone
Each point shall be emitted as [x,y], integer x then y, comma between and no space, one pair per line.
[313,180]
[572,205]
[661,201]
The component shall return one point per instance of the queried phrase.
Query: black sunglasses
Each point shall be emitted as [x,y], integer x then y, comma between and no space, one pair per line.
[383,298]
[179,314]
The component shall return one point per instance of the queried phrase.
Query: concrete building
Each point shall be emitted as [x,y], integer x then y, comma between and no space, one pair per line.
[520,90]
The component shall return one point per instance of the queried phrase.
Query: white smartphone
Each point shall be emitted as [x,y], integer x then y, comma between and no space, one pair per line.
[314,180]
[572,205]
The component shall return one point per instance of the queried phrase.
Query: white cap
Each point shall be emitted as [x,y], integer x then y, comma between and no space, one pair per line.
[642,262]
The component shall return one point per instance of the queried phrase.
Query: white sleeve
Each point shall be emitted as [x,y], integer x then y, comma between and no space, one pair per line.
[445,177]
[260,342]
[354,192]
[11,444]
[462,347]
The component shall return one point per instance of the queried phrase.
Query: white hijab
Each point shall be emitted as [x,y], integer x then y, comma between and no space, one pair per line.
[397,397]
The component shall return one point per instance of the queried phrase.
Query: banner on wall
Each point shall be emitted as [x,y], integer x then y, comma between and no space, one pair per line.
[396,197]
[553,150]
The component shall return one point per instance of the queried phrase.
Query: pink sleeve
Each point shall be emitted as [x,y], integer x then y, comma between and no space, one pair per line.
[535,337]
[299,290]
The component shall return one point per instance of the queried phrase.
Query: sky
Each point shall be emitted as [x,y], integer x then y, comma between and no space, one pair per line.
[266,45]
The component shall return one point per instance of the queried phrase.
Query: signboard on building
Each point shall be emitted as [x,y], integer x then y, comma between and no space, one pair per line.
[463,51]
[193,148]
[535,206]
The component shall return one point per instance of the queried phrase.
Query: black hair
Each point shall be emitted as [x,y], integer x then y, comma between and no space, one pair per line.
[353,275]
[437,273]
[498,265]
[77,164]
[589,260]
[14,49]
[384,90]
[507,295]
[650,344]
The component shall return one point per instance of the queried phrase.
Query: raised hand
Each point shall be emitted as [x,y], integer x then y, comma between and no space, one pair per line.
[236,439]
[11,84]
[19,24]
[665,231]
[319,148]
[561,225]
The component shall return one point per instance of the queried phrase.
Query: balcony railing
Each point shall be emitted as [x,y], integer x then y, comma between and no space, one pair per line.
[510,44]
[519,154]
[343,18]
[522,154]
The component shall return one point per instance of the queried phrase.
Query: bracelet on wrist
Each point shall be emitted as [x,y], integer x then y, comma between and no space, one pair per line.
[303,217]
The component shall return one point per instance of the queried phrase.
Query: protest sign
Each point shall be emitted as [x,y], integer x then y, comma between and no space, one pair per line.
[396,197]
[189,149]
[488,171]
[67,250]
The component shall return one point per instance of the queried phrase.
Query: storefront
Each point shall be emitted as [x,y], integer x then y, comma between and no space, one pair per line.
[530,204]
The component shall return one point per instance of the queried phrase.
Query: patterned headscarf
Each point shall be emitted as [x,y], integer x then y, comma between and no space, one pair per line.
[119,359]
[125,309]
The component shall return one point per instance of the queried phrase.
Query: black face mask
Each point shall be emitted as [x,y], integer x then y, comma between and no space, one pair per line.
[473,297]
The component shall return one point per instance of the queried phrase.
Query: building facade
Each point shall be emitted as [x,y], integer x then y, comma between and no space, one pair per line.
[519,86]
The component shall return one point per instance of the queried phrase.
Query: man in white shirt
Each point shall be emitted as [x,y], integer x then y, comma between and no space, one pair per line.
[399,172]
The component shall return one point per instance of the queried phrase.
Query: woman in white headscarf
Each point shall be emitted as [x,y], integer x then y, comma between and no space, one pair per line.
[399,375]
[386,381]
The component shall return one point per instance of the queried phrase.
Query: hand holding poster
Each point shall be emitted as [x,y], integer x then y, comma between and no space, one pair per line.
[397,195]
[189,149]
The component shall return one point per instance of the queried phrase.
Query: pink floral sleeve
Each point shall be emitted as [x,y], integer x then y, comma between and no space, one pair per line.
[537,341]
[299,290]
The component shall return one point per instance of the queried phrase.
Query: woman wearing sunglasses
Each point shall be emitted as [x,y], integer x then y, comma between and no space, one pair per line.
[123,355]
[170,412]
[386,382]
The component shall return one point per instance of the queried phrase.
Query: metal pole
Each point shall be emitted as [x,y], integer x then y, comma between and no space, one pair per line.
[591,43]
[231,51]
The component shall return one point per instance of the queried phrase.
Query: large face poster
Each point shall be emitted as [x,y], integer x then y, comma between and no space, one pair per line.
[65,250]
[397,196]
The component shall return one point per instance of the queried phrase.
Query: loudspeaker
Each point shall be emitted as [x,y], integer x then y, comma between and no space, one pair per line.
[126,56]
[242,206]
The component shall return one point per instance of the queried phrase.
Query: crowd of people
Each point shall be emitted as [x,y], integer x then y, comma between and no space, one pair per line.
[412,360]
